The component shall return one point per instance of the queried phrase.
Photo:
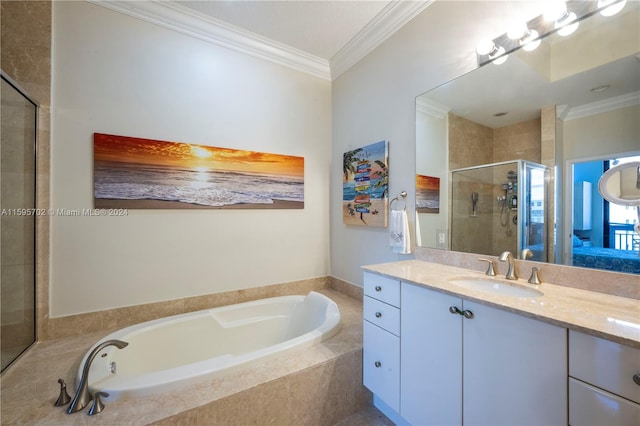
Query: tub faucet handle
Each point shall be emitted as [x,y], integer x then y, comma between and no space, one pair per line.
[63,398]
[97,406]
[491,267]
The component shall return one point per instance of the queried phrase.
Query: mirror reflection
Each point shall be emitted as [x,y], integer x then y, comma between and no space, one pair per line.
[621,184]
[572,102]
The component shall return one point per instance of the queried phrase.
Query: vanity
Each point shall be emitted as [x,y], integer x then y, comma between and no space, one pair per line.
[446,345]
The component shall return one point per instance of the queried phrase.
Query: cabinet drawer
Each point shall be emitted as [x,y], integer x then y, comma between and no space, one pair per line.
[589,405]
[382,315]
[382,288]
[605,364]
[381,364]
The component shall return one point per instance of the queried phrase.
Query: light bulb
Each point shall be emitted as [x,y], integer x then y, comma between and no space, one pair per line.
[531,41]
[567,25]
[500,59]
[613,9]
[554,10]
[485,47]
[517,30]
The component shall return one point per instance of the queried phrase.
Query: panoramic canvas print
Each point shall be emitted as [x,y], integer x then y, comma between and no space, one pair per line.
[427,194]
[137,173]
[365,182]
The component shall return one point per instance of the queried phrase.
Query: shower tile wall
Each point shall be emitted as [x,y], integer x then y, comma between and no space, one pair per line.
[472,144]
[520,141]
[25,55]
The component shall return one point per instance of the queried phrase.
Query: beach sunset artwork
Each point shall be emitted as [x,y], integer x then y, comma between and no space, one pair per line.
[135,173]
[427,194]
[365,183]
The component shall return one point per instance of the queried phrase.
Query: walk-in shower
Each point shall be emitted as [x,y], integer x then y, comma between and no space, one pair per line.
[498,207]
[18,220]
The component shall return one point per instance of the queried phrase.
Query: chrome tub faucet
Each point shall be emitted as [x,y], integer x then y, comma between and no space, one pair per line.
[83,397]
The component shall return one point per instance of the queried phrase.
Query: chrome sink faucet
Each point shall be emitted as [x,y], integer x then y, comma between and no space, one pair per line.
[82,397]
[511,272]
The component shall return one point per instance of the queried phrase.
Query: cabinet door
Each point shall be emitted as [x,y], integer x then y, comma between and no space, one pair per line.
[381,364]
[515,369]
[431,357]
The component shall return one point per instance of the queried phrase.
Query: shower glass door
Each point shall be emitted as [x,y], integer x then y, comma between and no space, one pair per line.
[499,206]
[17,223]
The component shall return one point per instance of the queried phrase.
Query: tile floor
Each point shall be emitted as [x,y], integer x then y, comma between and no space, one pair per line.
[370,416]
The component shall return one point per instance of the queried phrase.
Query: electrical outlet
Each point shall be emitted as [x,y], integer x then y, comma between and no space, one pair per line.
[441,238]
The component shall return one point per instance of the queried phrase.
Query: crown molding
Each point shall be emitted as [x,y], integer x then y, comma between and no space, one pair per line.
[189,22]
[432,108]
[611,104]
[395,15]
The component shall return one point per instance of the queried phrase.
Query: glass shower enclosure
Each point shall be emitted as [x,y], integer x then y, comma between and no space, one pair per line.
[500,206]
[18,221]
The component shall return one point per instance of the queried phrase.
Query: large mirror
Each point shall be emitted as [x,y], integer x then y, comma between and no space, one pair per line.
[570,110]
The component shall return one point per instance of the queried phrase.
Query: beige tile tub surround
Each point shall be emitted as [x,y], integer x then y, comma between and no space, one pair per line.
[602,315]
[75,325]
[319,385]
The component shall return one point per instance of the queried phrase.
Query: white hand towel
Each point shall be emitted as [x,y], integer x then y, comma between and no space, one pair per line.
[399,237]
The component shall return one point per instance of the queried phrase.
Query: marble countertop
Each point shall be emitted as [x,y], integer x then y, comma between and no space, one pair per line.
[611,317]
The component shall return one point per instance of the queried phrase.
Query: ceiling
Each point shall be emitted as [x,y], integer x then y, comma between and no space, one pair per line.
[320,28]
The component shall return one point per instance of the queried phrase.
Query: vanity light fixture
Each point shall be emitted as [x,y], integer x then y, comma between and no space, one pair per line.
[489,48]
[525,37]
[567,24]
[611,7]
[530,41]
[501,58]
[560,17]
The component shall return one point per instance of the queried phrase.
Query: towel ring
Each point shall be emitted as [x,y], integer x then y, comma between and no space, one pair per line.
[400,197]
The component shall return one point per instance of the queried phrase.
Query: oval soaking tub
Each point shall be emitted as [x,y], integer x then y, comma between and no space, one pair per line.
[183,349]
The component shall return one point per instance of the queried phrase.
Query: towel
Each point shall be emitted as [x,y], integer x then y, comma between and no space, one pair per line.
[399,237]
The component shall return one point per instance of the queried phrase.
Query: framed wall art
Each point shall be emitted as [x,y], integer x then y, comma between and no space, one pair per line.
[365,185]
[427,194]
[136,173]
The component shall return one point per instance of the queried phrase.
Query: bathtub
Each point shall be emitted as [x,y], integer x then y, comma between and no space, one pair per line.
[184,349]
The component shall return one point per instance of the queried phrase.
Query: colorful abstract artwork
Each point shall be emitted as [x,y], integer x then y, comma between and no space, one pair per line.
[427,194]
[135,173]
[365,183]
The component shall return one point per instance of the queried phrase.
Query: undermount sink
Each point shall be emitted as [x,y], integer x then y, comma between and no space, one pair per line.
[493,286]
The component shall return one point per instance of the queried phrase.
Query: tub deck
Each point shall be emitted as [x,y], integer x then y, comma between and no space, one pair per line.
[323,381]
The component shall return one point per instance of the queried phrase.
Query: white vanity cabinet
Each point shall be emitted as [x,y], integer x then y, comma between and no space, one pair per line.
[381,338]
[604,382]
[467,363]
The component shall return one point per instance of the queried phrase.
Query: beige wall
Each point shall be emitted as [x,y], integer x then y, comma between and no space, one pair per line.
[602,134]
[116,74]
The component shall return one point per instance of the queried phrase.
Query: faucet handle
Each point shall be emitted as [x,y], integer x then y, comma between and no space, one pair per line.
[491,267]
[534,278]
[97,405]
[63,398]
